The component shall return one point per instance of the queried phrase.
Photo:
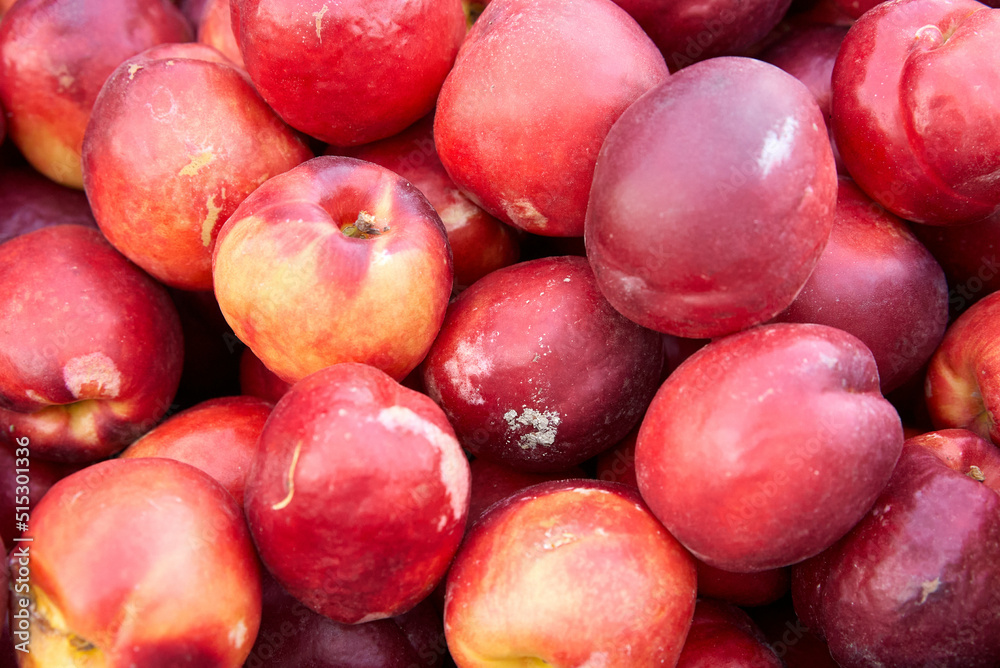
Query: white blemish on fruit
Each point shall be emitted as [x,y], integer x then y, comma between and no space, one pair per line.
[319,22]
[596,660]
[132,69]
[470,360]
[928,588]
[196,163]
[373,617]
[290,485]
[453,467]
[829,362]
[777,145]
[238,634]
[457,215]
[208,226]
[94,374]
[35,396]
[524,214]
[543,424]
[553,540]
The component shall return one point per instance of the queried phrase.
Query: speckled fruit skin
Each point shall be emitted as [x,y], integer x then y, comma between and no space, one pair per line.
[178,138]
[915,583]
[723,636]
[358,495]
[534,91]
[218,436]
[703,220]
[303,295]
[536,370]
[916,109]
[765,447]
[692,30]
[572,573]
[352,71]
[963,380]
[876,281]
[479,242]
[122,556]
[91,348]
[54,58]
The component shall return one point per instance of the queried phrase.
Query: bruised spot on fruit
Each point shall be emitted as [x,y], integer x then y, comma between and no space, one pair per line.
[365,227]
[453,466]
[457,215]
[928,588]
[208,226]
[525,215]
[92,376]
[290,484]
[197,162]
[469,361]
[132,69]
[543,424]
[778,143]
[238,634]
[976,473]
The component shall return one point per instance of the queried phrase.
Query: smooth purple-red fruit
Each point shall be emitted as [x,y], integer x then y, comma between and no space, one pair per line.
[534,91]
[91,348]
[537,371]
[352,71]
[916,109]
[54,58]
[915,583]
[29,201]
[968,255]
[492,482]
[757,427]
[702,221]
[876,281]
[723,636]
[379,540]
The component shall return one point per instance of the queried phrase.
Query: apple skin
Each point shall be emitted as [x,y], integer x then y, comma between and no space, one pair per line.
[118,541]
[915,582]
[723,636]
[916,124]
[968,255]
[349,72]
[962,386]
[376,543]
[536,371]
[91,349]
[256,380]
[41,477]
[54,58]
[29,201]
[293,636]
[876,281]
[177,139]
[579,555]
[534,91]
[783,413]
[479,242]
[690,31]
[492,482]
[216,30]
[702,258]
[303,295]
[218,436]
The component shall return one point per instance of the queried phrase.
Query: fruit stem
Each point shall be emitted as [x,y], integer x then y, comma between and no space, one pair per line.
[364,227]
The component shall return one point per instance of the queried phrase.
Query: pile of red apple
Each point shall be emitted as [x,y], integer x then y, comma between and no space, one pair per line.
[523,333]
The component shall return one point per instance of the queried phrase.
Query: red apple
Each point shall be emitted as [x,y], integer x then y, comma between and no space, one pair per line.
[352,71]
[138,563]
[535,89]
[535,370]
[963,380]
[257,380]
[218,436]
[216,30]
[378,541]
[177,139]
[876,281]
[479,242]
[703,222]
[916,109]
[565,574]
[916,583]
[492,482]
[54,58]
[692,30]
[337,260]
[29,201]
[90,346]
[723,636]
[757,427]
